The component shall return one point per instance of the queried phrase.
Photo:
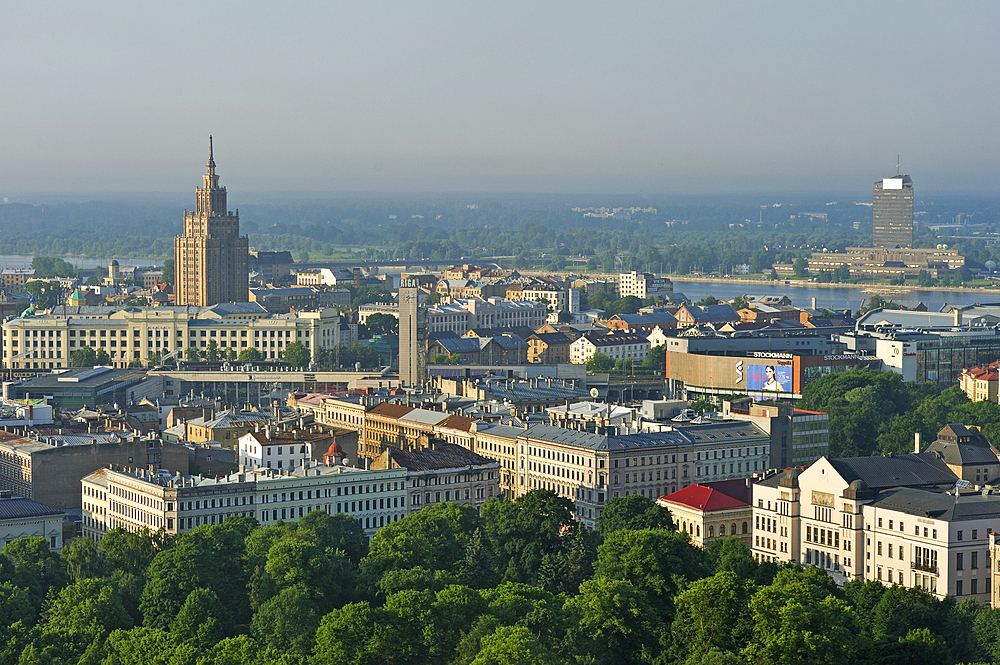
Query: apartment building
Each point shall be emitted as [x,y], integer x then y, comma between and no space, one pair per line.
[499,442]
[136,499]
[591,467]
[981,383]
[48,468]
[644,285]
[24,518]
[443,472]
[900,519]
[267,449]
[618,346]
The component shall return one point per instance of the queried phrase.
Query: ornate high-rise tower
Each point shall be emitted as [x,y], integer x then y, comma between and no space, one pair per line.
[210,259]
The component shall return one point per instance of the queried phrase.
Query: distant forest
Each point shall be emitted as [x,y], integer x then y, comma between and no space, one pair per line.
[696,234]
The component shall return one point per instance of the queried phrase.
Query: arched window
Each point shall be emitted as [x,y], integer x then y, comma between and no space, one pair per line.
[732,531]
[722,529]
[698,529]
[711,531]
[745,527]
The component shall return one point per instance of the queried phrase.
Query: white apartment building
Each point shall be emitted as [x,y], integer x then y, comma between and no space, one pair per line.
[48,340]
[618,346]
[556,299]
[643,285]
[462,315]
[273,450]
[938,542]
[135,499]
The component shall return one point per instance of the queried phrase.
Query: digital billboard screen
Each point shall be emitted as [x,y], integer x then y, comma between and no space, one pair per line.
[770,378]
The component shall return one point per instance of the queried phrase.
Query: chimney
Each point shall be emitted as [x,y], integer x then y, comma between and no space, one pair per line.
[957,312]
[814,303]
[916,442]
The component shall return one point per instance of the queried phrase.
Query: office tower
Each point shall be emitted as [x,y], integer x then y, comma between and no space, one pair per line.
[412,333]
[210,259]
[892,212]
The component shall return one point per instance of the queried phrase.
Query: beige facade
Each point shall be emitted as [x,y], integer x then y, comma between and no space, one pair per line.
[707,514]
[443,472]
[210,258]
[127,335]
[980,383]
[912,530]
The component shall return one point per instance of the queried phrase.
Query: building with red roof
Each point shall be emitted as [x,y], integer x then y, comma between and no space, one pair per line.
[981,383]
[711,510]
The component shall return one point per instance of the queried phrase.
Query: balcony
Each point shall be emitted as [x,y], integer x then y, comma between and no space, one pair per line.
[927,568]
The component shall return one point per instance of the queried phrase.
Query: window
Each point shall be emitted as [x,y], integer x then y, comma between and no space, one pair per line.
[975,533]
[958,588]
[959,561]
[974,561]
[959,537]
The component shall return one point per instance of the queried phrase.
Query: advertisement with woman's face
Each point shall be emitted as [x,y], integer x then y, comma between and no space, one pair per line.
[769,378]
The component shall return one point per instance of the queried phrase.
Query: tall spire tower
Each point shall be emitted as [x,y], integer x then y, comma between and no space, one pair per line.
[210,259]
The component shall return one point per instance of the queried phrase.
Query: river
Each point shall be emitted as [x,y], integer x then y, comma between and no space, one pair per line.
[85,262]
[848,296]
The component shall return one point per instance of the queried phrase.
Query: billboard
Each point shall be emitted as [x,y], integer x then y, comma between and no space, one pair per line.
[770,378]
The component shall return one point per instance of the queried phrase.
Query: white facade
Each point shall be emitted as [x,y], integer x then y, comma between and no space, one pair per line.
[135,499]
[462,315]
[25,518]
[643,285]
[257,450]
[618,347]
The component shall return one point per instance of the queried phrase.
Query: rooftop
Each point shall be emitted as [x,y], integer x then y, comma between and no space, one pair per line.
[935,505]
[701,497]
[879,473]
[441,456]
[16,507]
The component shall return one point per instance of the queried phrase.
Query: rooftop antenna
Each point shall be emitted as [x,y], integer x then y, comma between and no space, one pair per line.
[897,162]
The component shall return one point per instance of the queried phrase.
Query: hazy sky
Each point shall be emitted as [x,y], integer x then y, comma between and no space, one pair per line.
[499,96]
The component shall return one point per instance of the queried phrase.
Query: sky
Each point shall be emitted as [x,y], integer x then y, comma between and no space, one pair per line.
[562,97]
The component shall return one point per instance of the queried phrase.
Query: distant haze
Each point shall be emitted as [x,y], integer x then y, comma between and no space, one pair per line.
[644,97]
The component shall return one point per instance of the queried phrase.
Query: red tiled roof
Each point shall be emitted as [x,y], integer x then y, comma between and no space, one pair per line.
[704,498]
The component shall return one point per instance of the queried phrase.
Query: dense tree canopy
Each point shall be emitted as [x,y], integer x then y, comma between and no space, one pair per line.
[438,588]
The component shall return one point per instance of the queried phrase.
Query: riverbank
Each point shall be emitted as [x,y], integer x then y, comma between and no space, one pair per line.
[829,285]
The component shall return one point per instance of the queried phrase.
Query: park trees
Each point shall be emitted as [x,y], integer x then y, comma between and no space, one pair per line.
[633,512]
[296,354]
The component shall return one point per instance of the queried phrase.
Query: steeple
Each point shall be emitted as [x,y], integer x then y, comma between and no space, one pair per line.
[211,201]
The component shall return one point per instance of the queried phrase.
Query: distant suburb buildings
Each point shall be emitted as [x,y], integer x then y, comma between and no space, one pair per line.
[210,259]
